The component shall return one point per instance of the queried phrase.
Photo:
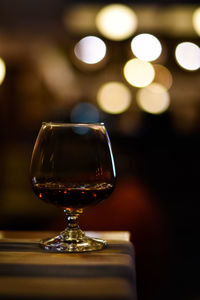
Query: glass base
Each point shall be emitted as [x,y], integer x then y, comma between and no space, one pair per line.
[72,240]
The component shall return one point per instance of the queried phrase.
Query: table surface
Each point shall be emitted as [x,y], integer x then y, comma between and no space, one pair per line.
[28,272]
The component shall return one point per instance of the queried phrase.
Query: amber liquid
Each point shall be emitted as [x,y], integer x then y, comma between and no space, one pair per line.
[74,196]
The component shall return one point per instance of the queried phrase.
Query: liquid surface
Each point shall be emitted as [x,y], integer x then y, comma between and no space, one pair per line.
[73,196]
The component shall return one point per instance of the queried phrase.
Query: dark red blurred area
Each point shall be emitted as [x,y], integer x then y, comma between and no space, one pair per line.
[132,207]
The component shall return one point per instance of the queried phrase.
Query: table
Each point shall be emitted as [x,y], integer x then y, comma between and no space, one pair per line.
[28,272]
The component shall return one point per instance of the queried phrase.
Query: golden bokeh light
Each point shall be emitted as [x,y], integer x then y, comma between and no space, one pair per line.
[187,55]
[90,49]
[139,73]
[196,20]
[114,97]
[146,47]
[116,22]
[153,99]
[163,76]
[2,70]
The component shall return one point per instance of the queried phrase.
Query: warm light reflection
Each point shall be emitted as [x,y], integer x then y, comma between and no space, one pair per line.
[146,47]
[116,22]
[139,73]
[90,50]
[163,76]
[153,99]
[188,56]
[114,97]
[84,112]
[2,70]
[196,20]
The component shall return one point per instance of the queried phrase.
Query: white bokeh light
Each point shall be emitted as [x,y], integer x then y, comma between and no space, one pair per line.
[90,49]
[114,97]
[139,73]
[153,99]
[146,47]
[188,56]
[116,22]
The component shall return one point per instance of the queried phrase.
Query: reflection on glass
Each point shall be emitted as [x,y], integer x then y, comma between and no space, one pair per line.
[72,167]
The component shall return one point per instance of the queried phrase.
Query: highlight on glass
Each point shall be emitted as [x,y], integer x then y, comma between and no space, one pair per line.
[72,167]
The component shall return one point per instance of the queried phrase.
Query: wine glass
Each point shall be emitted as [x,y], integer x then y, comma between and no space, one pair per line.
[72,166]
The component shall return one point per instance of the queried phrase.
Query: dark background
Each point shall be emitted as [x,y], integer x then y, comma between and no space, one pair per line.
[157,156]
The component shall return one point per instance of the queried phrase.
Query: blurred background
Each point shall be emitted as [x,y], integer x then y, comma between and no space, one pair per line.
[136,67]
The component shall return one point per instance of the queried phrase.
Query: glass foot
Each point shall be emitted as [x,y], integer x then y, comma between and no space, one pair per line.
[73,240]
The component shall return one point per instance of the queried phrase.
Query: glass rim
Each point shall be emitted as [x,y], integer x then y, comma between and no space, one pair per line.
[51,123]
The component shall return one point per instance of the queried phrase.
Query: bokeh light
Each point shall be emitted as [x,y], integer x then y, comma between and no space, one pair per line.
[57,74]
[146,47]
[153,99]
[188,56]
[163,76]
[139,73]
[116,22]
[196,20]
[2,70]
[114,97]
[84,112]
[90,49]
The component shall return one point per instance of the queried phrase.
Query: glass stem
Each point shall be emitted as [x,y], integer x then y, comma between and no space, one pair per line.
[72,233]
[72,218]
[72,222]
